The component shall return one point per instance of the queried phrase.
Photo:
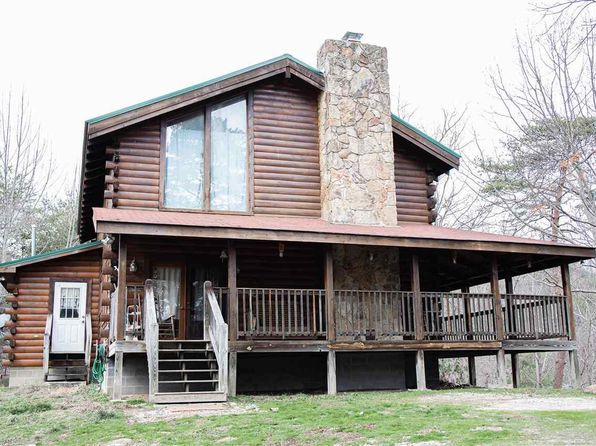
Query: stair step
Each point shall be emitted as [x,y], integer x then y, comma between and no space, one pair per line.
[66,363]
[187,370]
[187,381]
[188,360]
[190,350]
[189,340]
[189,397]
[66,374]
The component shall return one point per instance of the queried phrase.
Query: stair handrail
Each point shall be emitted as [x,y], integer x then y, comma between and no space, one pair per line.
[216,331]
[47,343]
[151,328]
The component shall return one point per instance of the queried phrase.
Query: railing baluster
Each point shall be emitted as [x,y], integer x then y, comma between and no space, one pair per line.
[321,311]
[283,317]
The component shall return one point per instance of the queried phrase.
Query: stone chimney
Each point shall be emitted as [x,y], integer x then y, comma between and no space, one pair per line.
[357,170]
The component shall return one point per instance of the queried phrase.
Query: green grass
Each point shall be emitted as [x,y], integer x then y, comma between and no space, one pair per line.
[86,416]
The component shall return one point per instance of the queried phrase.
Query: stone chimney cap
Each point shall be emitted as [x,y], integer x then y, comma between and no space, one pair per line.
[351,36]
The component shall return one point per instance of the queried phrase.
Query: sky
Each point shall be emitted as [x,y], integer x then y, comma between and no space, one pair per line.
[77,60]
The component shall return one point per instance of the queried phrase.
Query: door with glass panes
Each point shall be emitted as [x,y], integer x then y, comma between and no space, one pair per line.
[68,318]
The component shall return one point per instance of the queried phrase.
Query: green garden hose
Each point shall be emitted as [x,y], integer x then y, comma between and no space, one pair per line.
[99,365]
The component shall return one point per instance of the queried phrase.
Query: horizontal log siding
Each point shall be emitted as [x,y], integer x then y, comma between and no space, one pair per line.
[138,167]
[411,186]
[260,265]
[33,285]
[286,151]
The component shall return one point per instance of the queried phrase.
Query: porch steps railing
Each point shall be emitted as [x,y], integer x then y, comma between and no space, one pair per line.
[185,371]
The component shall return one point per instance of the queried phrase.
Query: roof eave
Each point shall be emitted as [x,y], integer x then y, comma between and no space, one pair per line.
[11,266]
[430,145]
[285,64]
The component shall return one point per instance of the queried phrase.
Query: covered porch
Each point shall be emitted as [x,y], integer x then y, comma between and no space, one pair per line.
[283,291]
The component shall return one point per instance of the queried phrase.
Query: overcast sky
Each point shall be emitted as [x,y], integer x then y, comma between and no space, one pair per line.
[77,60]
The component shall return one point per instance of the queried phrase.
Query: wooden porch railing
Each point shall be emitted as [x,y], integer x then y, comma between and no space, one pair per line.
[535,317]
[389,315]
[458,316]
[281,313]
[374,315]
[216,331]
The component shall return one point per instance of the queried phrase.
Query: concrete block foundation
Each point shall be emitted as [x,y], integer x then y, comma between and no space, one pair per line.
[26,376]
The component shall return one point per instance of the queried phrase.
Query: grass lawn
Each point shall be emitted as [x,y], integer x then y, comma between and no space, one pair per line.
[85,416]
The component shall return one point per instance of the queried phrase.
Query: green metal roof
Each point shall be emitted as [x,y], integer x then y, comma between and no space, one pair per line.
[51,254]
[425,136]
[203,84]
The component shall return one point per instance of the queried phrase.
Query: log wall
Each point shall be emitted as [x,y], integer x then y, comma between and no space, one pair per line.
[285,149]
[135,173]
[33,293]
[414,185]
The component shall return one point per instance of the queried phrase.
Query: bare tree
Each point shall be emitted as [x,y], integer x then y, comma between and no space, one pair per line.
[542,180]
[25,168]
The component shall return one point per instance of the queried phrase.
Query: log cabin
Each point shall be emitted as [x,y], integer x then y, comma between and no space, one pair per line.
[272,230]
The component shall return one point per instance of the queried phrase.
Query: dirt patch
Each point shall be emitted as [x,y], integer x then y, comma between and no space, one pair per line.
[517,402]
[175,411]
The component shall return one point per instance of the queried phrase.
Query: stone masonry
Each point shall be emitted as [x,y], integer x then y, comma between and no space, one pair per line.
[357,170]
[365,268]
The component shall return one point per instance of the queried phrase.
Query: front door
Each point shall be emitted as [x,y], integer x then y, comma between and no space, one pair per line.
[68,326]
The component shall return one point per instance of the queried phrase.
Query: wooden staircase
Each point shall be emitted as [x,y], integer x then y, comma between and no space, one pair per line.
[187,372]
[66,367]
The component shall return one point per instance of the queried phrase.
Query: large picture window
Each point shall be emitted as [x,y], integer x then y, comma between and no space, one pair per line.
[206,159]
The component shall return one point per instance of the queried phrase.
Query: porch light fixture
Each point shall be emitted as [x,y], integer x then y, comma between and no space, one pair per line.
[223,255]
[371,257]
[133,267]
[281,247]
[108,240]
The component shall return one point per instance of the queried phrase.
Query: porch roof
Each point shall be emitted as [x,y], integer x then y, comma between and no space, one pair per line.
[190,224]
[11,266]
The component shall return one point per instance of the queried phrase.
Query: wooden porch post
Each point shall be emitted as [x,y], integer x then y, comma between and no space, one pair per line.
[499,326]
[511,324]
[575,372]
[472,370]
[498,308]
[232,317]
[420,371]
[566,283]
[418,307]
[232,370]
[471,358]
[331,373]
[515,370]
[118,377]
[330,309]
[122,295]
[329,295]
[501,369]
[232,293]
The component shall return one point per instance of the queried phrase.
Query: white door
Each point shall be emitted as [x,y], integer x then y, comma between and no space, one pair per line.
[68,330]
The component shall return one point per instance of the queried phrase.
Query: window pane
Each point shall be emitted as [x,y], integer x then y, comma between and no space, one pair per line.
[184,164]
[228,156]
[166,286]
